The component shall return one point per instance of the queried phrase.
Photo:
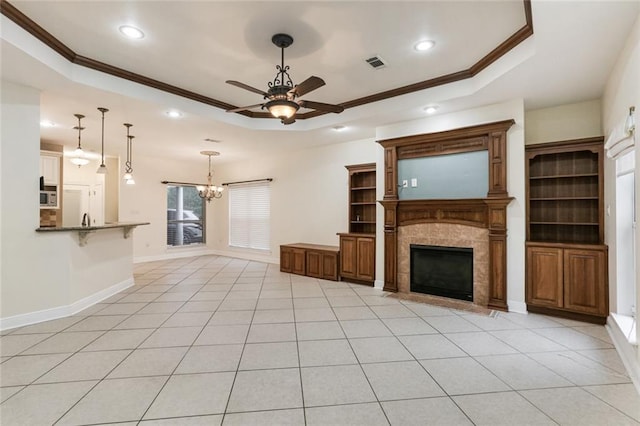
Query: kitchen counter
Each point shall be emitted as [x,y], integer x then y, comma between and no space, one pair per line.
[84,231]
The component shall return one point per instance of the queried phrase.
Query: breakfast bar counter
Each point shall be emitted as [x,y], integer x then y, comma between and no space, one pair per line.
[85,231]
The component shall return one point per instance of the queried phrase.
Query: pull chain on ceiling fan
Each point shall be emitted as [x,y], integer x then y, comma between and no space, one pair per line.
[281,97]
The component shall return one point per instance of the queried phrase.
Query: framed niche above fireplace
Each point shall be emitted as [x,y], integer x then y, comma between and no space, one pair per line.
[457,219]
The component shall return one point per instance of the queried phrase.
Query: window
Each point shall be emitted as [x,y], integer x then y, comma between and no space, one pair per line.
[185,216]
[249,215]
[625,232]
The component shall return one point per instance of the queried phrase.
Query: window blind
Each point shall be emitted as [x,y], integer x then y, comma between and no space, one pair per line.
[250,215]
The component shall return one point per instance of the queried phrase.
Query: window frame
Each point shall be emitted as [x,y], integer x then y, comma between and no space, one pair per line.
[202,221]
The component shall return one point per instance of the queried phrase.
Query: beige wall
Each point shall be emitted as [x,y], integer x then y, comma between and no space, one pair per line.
[309,195]
[564,122]
[113,180]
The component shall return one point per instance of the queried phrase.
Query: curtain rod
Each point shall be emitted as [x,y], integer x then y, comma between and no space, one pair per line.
[167,182]
[247,181]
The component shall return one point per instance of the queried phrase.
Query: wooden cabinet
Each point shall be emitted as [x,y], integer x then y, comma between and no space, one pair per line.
[358,258]
[50,168]
[568,279]
[313,260]
[358,246]
[544,276]
[585,277]
[322,264]
[292,260]
[362,198]
[566,258]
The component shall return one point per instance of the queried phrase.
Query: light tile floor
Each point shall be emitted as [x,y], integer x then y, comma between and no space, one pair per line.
[214,340]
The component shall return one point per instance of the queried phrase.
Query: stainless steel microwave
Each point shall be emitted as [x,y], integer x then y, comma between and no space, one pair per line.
[48,199]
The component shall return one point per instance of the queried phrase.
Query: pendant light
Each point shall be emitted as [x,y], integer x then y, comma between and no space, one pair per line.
[128,169]
[79,158]
[102,169]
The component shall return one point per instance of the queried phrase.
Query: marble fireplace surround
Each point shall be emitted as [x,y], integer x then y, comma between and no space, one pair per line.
[446,235]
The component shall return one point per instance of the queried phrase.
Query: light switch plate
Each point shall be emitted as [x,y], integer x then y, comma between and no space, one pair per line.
[414,182]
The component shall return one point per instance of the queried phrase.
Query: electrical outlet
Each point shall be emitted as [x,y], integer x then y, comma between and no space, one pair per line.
[405,183]
[414,182]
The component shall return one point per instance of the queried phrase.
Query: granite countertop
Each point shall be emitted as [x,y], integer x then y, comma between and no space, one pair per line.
[90,228]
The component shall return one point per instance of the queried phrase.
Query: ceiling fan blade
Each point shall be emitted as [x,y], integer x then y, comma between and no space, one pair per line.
[321,106]
[247,87]
[244,108]
[312,83]
[290,120]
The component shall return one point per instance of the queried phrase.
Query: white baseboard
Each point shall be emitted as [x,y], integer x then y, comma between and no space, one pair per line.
[378,284]
[173,254]
[247,255]
[63,311]
[517,307]
[628,352]
[179,254]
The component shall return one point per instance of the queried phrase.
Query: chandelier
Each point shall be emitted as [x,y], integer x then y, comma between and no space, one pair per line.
[210,191]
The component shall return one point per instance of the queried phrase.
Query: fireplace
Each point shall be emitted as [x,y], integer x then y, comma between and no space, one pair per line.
[442,271]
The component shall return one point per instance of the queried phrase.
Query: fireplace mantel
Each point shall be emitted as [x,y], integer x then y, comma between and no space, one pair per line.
[478,212]
[489,212]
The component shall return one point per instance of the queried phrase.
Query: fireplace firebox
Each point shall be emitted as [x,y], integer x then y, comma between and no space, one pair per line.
[442,271]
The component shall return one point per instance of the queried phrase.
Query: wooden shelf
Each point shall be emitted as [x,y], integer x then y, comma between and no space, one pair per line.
[566,223]
[566,259]
[563,198]
[357,247]
[564,176]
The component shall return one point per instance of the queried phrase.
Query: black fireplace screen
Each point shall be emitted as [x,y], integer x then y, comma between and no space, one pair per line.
[442,271]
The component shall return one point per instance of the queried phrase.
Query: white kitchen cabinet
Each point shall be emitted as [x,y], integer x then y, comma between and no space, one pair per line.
[50,168]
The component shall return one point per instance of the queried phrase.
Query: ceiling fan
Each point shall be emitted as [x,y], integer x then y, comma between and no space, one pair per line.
[281,97]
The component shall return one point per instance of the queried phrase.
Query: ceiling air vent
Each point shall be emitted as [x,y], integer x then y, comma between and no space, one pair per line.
[376,62]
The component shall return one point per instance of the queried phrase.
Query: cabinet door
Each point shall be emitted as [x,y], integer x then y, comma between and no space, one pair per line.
[366,255]
[585,287]
[286,255]
[50,169]
[348,257]
[544,276]
[314,264]
[298,261]
[330,266]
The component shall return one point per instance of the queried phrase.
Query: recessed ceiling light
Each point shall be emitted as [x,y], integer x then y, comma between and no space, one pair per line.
[431,109]
[47,123]
[424,45]
[339,128]
[131,32]
[174,113]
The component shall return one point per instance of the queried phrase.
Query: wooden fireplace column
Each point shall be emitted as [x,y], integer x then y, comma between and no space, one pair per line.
[489,212]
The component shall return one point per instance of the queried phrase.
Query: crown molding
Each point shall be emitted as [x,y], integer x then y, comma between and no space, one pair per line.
[26,23]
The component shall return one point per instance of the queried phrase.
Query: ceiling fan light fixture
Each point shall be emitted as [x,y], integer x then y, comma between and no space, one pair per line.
[282,108]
